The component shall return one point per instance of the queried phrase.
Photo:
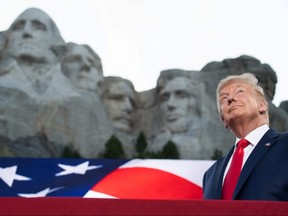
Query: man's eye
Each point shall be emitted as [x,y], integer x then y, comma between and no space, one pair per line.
[182,94]
[240,91]
[75,59]
[92,63]
[223,99]
[39,26]
[116,97]
[164,97]
[18,26]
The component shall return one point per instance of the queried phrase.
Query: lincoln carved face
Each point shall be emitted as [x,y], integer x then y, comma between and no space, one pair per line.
[175,104]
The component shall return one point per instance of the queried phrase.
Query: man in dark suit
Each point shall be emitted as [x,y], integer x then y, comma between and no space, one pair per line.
[263,169]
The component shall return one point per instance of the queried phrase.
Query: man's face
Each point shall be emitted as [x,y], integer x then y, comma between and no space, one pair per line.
[120,105]
[239,102]
[80,67]
[30,36]
[175,99]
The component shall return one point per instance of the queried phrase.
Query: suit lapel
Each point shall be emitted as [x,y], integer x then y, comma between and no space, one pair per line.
[259,151]
[220,173]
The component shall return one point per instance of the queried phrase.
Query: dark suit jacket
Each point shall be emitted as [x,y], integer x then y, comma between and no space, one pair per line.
[264,175]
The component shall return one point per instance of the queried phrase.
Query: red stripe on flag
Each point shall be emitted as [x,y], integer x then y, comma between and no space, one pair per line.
[147,183]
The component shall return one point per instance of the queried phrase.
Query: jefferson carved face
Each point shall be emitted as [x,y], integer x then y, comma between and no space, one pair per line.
[175,104]
[79,65]
[30,37]
[119,100]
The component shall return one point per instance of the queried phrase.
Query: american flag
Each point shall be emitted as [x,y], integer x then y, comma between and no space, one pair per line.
[102,178]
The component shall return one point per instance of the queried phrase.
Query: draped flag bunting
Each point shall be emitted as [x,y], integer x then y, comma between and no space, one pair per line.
[102,178]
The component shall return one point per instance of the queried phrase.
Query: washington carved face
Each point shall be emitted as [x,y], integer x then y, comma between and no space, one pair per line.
[119,100]
[79,65]
[31,36]
[175,102]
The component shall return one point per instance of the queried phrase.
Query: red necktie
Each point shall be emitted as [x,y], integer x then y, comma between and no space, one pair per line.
[234,170]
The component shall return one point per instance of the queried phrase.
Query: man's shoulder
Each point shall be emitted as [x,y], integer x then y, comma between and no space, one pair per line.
[218,163]
[283,136]
[278,137]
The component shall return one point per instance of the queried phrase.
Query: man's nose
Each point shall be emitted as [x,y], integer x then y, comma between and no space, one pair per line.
[230,99]
[85,64]
[171,102]
[85,68]
[127,105]
[27,31]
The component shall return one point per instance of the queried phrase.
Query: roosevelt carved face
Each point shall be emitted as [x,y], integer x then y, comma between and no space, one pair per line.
[119,100]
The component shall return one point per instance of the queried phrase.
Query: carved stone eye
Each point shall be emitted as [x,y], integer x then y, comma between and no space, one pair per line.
[18,25]
[39,25]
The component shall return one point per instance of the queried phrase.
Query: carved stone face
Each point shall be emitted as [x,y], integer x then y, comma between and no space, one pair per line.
[79,67]
[30,37]
[119,101]
[175,102]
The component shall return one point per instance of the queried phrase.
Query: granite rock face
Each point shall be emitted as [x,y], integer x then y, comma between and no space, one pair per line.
[55,96]
[50,89]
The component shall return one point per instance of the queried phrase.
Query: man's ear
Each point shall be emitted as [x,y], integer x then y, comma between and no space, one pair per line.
[263,105]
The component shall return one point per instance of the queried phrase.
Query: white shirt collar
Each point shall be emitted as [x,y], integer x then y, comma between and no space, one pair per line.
[254,136]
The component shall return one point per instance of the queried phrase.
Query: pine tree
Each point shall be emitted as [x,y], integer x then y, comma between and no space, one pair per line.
[70,152]
[217,154]
[170,151]
[114,149]
[141,145]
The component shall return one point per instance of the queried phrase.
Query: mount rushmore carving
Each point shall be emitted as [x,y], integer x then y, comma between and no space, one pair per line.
[55,96]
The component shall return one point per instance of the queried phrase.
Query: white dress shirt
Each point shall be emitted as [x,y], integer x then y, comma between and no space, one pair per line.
[253,137]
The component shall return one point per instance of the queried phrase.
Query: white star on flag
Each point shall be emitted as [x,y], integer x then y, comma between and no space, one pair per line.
[42,193]
[78,169]
[8,175]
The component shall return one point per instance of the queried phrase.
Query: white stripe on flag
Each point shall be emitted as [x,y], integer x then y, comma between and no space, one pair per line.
[191,170]
[94,194]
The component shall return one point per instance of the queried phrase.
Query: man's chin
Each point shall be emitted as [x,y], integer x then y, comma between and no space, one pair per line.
[234,119]
[28,57]
[23,53]
[177,126]
[122,126]
[27,52]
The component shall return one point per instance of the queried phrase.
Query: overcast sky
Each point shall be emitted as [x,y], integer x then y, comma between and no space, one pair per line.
[136,39]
